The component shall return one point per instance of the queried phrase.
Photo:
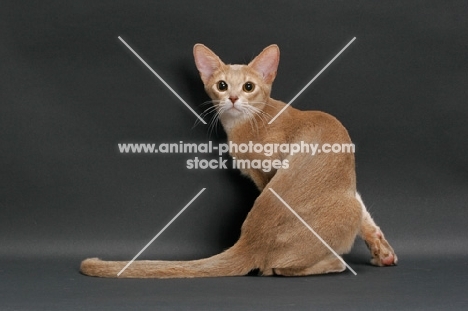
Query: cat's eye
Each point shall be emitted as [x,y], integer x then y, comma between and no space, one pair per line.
[248,87]
[222,86]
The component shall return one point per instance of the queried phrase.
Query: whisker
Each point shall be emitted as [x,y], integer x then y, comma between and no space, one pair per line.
[251,111]
[214,103]
[250,118]
[215,120]
[213,123]
[210,102]
[255,111]
[265,117]
[264,103]
[208,111]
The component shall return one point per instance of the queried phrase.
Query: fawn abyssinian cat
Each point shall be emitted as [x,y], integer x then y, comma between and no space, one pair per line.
[320,188]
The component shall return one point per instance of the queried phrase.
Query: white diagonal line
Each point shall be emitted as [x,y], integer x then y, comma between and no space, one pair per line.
[162,80]
[313,79]
[313,231]
[160,232]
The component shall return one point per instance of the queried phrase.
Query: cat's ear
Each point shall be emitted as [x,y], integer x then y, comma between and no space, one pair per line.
[207,61]
[266,63]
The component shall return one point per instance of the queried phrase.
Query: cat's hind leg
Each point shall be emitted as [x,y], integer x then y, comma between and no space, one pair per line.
[381,251]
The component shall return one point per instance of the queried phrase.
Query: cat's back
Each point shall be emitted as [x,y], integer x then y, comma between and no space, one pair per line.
[313,124]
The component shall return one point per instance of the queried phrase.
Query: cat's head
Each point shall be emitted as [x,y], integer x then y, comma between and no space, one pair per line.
[239,92]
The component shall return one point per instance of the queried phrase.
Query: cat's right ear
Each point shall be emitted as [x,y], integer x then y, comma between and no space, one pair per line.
[207,61]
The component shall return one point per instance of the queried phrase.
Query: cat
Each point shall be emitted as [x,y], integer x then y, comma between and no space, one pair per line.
[320,188]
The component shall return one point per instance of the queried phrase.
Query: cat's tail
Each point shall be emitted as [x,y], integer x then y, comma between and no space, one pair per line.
[232,262]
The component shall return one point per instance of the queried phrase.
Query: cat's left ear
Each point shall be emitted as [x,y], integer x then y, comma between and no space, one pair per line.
[206,60]
[267,62]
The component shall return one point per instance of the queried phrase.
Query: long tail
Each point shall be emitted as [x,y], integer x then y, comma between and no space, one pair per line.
[232,262]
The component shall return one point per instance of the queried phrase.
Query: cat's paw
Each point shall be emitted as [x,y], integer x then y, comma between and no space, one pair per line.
[381,251]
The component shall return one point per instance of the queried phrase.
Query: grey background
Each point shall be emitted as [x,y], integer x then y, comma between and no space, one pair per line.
[71,91]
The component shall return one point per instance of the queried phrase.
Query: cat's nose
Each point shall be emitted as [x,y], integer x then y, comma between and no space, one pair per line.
[233,99]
